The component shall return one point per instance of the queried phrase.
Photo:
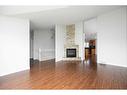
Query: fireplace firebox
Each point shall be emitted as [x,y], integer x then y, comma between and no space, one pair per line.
[70,52]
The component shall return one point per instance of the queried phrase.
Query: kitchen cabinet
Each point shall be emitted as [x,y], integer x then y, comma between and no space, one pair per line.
[93,51]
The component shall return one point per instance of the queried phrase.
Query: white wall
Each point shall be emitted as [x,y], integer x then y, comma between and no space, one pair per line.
[79,38]
[60,38]
[90,29]
[90,25]
[44,44]
[14,48]
[112,38]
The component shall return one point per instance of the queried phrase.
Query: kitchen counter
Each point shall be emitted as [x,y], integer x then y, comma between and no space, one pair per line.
[89,47]
[90,50]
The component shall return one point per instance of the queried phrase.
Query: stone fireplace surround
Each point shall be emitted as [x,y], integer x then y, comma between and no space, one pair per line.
[70,42]
[71,47]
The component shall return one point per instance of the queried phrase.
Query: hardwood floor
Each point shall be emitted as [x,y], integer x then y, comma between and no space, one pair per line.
[67,75]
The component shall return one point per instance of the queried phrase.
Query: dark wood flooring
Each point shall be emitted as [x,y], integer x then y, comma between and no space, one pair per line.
[67,75]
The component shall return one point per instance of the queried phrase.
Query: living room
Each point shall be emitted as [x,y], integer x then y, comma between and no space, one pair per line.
[45,45]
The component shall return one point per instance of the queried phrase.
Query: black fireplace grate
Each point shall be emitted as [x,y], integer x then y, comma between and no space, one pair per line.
[70,52]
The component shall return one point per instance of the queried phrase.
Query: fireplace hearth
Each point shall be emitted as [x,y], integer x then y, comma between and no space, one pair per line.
[70,53]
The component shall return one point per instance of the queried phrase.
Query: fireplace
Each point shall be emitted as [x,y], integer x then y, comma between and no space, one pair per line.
[70,52]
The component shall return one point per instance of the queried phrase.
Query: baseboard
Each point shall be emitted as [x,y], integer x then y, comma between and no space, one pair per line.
[44,60]
[13,72]
[113,65]
[48,59]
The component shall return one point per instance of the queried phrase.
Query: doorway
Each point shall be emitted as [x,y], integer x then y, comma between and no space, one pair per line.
[90,48]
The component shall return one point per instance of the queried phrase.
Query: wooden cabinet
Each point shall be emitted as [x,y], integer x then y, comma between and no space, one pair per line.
[92,47]
[86,52]
[93,51]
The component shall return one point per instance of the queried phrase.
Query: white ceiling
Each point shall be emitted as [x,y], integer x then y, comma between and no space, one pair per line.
[47,16]
[13,10]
